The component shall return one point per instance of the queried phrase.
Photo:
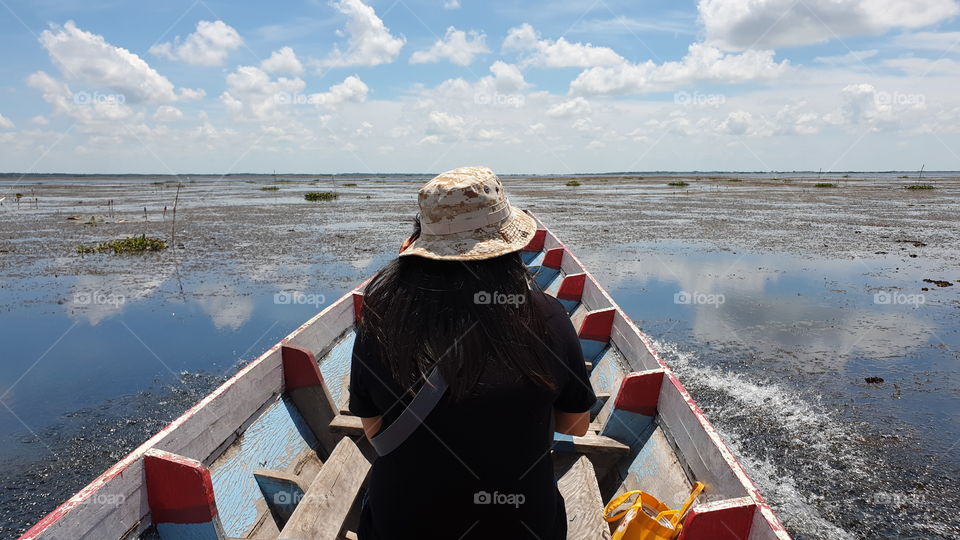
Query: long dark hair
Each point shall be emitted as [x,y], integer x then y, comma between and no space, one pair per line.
[465,316]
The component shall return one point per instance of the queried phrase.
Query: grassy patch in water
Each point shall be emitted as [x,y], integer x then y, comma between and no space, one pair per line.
[320,196]
[920,186]
[573,183]
[270,188]
[132,244]
[349,185]
[678,184]
[734,180]
[824,184]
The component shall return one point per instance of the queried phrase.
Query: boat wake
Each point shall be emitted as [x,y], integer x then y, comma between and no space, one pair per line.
[826,478]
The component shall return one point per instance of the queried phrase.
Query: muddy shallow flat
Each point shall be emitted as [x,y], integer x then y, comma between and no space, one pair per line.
[821,288]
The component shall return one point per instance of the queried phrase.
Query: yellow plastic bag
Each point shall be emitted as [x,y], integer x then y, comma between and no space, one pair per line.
[648,518]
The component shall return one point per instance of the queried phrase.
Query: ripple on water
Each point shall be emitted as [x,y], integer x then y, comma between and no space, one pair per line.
[820,474]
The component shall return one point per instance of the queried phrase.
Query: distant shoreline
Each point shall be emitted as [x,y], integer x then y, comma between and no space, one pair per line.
[625,174]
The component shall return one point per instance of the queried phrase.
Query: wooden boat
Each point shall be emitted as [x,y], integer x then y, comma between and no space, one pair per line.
[273,452]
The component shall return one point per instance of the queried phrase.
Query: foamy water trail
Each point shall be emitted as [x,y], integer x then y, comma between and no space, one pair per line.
[739,406]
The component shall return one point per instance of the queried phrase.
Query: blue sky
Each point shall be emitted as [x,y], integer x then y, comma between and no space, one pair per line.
[525,87]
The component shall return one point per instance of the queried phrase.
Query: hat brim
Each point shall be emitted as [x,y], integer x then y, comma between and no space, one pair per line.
[512,234]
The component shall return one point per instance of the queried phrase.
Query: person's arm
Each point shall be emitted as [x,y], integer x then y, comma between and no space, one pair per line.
[575,424]
[371,425]
[571,409]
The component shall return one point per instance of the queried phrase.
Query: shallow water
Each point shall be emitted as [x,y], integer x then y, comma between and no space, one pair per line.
[776,348]
[99,353]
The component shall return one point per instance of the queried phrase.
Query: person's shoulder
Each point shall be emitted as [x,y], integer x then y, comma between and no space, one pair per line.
[549,306]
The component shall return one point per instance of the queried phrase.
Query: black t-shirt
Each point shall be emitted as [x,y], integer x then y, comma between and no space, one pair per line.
[479,468]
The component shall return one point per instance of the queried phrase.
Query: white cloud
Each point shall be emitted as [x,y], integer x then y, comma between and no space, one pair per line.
[167,113]
[737,123]
[81,106]
[863,105]
[252,94]
[506,77]
[942,42]
[209,45]
[352,89]
[5,123]
[451,4]
[191,94]
[557,53]
[457,46]
[443,123]
[922,67]
[574,107]
[702,63]
[282,61]
[747,24]
[88,58]
[369,41]
[852,58]
[40,120]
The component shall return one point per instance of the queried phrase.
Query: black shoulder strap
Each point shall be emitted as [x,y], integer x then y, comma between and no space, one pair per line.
[410,419]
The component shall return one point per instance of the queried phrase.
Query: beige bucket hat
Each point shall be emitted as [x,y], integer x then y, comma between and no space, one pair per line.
[465,216]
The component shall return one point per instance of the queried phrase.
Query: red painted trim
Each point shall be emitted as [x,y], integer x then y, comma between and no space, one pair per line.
[179,490]
[300,369]
[640,392]
[597,325]
[730,523]
[572,287]
[357,305]
[536,243]
[553,258]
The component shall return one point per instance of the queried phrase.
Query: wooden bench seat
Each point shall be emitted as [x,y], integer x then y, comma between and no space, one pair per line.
[323,512]
[581,495]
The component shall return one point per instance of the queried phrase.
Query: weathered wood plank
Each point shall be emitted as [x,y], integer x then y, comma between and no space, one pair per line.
[578,486]
[344,395]
[348,425]
[697,444]
[323,511]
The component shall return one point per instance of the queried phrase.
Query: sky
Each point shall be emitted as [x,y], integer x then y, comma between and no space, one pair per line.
[420,86]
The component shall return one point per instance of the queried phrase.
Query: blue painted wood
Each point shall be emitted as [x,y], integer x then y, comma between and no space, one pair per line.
[282,496]
[554,285]
[272,441]
[644,461]
[563,442]
[569,305]
[336,364]
[606,369]
[190,531]
[533,258]
[592,349]
[544,276]
[627,427]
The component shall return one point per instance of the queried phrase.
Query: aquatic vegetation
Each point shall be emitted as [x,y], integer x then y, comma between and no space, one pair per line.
[573,183]
[734,180]
[824,184]
[132,244]
[350,185]
[679,183]
[921,186]
[270,188]
[320,196]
